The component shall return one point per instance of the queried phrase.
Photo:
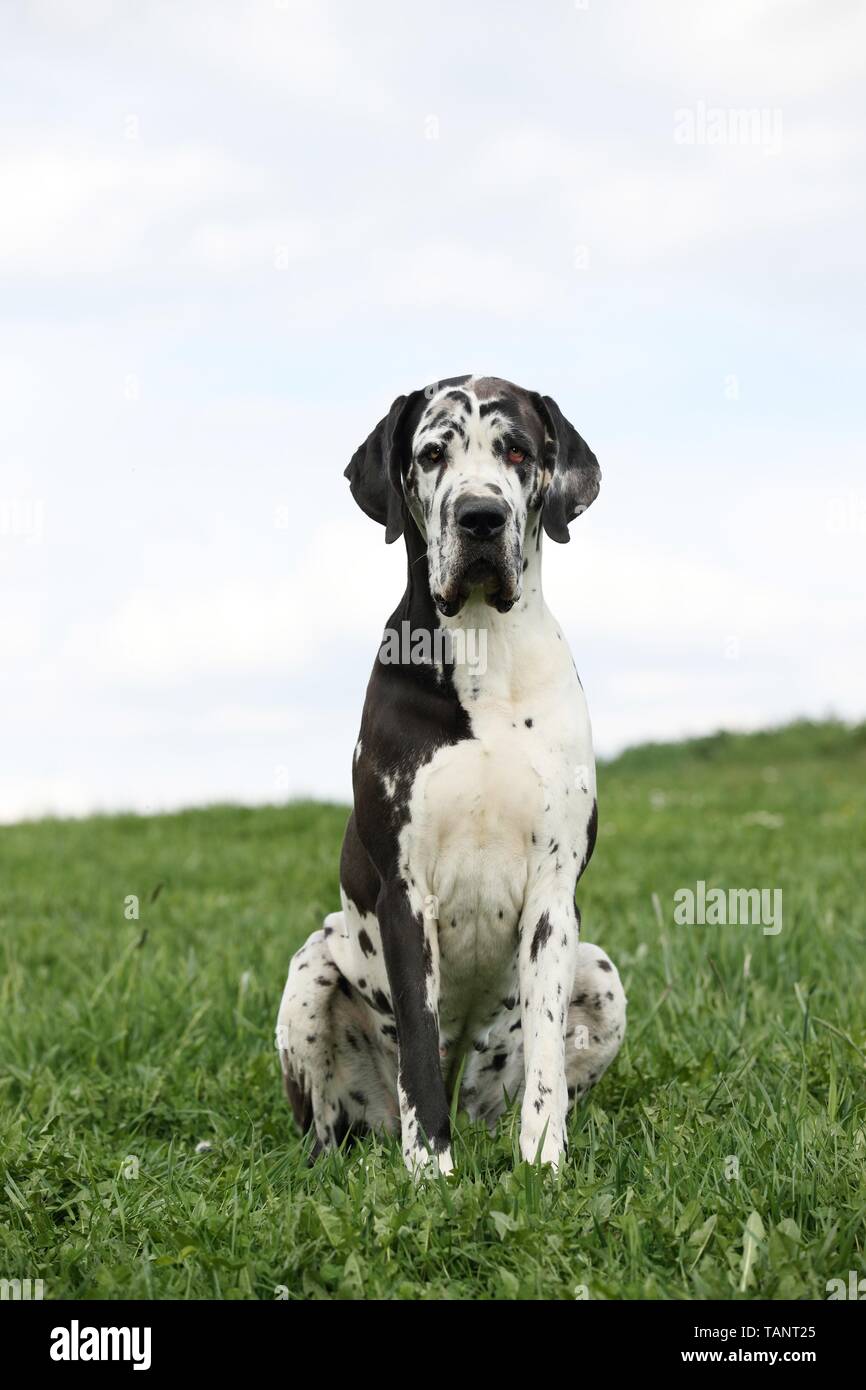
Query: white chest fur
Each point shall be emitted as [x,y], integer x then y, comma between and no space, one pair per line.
[489,814]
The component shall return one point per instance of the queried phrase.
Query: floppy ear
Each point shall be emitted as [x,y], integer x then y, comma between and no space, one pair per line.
[374,472]
[574,468]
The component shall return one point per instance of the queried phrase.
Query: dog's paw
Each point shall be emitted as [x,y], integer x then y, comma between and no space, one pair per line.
[552,1150]
[542,1138]
[421,1163]
[444,1162]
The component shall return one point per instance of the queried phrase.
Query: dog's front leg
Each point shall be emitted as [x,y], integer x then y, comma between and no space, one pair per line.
[548,956]
[411,950]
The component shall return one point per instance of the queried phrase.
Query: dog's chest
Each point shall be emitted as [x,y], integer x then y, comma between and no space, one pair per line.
[481,802]
[484,814]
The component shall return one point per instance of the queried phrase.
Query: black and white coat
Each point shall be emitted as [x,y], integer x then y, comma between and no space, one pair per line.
[474,804]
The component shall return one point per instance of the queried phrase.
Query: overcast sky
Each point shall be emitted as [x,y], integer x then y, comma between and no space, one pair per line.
[232,233]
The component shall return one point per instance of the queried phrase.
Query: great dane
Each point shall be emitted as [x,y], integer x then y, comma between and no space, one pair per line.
[474,804]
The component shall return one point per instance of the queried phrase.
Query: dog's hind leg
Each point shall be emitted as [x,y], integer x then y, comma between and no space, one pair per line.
[334,1068]
[493,1070]
[595,1026]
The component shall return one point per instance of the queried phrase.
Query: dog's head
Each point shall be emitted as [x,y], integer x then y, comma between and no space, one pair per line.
[471,460]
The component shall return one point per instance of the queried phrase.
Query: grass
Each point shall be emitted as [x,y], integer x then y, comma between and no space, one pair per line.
[722,1156]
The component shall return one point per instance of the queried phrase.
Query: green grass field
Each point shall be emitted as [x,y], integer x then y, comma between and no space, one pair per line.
[722,1155]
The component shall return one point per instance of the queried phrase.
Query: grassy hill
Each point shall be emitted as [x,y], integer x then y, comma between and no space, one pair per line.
[722,1156]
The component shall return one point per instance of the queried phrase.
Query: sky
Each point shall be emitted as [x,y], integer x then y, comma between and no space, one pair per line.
[231,234]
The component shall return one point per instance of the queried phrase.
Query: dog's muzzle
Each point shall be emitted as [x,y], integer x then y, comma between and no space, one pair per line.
[483,556]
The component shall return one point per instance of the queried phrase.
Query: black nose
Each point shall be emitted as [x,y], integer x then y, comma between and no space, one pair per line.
[481,517]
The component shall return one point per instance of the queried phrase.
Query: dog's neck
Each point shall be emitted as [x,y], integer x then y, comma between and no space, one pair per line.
[502,635]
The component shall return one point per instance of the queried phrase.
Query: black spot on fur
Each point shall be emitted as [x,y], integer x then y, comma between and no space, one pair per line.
[365,943]
[591,836]
[381,1002]
[541,936]
[443,508]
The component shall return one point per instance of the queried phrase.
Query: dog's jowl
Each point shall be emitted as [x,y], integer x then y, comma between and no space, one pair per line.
[474,804]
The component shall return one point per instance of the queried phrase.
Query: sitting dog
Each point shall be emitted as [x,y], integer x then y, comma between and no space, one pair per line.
[474,804]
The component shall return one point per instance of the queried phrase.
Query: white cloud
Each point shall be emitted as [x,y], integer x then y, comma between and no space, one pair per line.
[300,51]
[629,590]
[634,202]
[30,798]
[159,636]
[755,52]
[264,244]
[462,276]
[69,208]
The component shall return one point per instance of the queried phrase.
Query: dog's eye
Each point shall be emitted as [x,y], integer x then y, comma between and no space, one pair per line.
[515,455]
[433,452]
